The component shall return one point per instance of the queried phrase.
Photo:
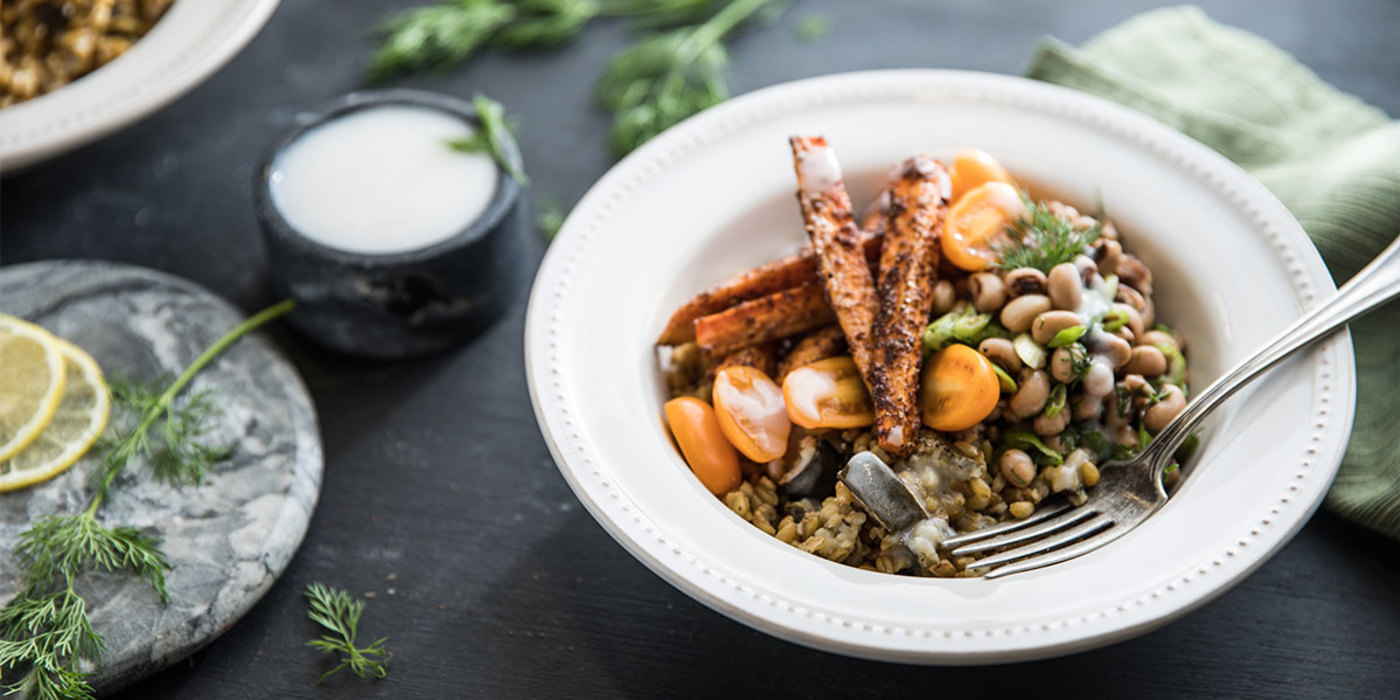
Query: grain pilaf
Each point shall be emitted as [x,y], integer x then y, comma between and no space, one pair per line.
[46,44]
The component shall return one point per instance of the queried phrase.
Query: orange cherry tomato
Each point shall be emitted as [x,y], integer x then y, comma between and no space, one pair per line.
[751,413]
[976,225]
[714,461]
[828,394]
[973,168]
[959,389]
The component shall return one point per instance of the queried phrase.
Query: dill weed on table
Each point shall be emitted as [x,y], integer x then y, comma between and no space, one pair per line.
[45,632]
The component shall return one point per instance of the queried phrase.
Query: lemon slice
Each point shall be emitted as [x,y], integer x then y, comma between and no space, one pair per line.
[78,421]
[31,382]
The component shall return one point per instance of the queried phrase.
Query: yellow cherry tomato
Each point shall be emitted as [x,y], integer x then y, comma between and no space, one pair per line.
[828,394]
[973,168]
[751,413]
[959,389]
[704,447]
[976,225]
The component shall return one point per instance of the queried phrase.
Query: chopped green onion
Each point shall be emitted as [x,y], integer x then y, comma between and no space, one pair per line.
[1057,401]
[1115,319]
[1030,442]
[1176,365]
[1068,335]
[969,328]
[1096,441]
[1110,287]
[1144,437]
[1029,351]
[940,333]
[995,330]
[1008,385]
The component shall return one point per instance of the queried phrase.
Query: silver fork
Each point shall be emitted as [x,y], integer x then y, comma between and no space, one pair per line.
[1131,490]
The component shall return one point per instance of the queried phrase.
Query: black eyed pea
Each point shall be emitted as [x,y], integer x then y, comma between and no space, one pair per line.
[1066,362]
[1149,313]
[1155,338]
[1098,380]
[1113,349]
[1046,426]
[1131,297]
[1134,323]
[1024,280]
[1018,313]
[1125,333]
[943,297]
[1017,467]
[1032,394]
[1000,351]
[1086,407]
[1108,232]
[1049,323]
[1147,361]
[1065,286]
[1107,254]
[1171,403]
[987,290]
[1133,383]
[1133,273]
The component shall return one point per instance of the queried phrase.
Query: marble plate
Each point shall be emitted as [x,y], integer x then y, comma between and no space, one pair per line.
[228,539]
[714,196]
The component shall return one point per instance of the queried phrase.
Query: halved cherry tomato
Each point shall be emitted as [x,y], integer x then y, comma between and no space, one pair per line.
[976,225]
[750,409]
[828,394]
[973,168]
[714,461]
[959,389]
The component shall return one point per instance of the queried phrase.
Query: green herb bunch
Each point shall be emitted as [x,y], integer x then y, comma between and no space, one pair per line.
[338,614]
[491,137]
[1043,239]
[45,631]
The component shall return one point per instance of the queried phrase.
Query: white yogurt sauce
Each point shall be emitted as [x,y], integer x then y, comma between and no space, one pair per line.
[818,170]
[382,180]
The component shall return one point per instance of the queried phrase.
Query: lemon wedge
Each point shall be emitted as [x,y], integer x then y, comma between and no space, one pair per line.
[78,421]
[32,377]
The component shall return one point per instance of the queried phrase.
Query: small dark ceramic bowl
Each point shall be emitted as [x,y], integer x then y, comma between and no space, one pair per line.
[395,305]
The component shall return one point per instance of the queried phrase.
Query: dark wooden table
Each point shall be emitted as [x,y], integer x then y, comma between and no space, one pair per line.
[440,497]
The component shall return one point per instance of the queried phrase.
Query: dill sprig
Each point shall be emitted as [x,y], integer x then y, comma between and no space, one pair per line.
[1043,239]
[813,28]
[436,37]
[665,78]
[334,610]
[491,137]
[45,631]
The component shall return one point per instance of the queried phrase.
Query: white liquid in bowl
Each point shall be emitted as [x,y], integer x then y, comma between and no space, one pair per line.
[382,180]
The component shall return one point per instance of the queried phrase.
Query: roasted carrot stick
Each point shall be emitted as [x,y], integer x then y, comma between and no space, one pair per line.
[908,269]
[785,273]
[762,357]
[817,345]
[775,316]
[845,276]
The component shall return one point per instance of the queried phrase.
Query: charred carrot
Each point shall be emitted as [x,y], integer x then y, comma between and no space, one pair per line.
[775,316]
[817,345]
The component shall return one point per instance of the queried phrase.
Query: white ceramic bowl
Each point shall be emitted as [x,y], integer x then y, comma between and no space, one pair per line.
[192,40]
[715,195]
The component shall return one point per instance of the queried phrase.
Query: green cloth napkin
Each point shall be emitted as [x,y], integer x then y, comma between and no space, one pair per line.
[1331,158]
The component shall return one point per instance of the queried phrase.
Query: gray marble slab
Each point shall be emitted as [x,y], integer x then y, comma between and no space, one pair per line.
[229,538]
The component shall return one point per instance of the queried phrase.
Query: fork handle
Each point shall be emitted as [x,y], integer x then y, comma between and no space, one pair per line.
[1374,285]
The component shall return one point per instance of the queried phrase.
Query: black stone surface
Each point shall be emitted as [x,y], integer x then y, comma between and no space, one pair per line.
[502,586]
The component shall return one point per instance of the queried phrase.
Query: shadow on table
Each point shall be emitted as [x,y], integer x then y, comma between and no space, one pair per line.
[579,617]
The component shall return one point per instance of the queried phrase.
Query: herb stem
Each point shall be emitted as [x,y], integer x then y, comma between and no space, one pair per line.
[162,404]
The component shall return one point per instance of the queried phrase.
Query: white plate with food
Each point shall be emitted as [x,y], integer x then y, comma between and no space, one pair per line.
[1014,333]
[78,70]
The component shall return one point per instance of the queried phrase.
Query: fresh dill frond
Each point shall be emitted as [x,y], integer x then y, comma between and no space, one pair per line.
[334,610]
[550,219]
[545,23]
[438,36]
[813,28]
[663,79]
[1043,239]
[491,137]
[44,637]
[180,456]
[63,546]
